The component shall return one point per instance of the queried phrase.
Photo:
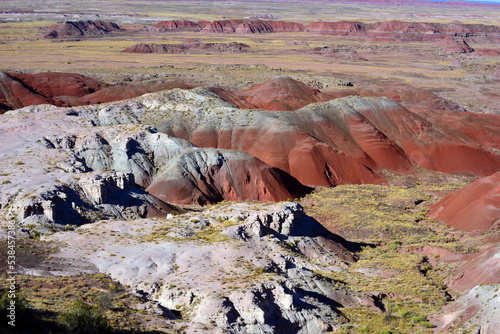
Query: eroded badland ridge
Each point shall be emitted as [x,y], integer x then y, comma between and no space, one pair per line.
[257,167]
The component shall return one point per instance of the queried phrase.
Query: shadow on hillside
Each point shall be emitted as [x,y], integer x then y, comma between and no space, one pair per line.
[310,227]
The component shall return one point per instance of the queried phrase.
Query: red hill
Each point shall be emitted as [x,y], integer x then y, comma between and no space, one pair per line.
[475,207]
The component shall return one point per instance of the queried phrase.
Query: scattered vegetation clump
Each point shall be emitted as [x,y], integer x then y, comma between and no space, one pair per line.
[385,224]
[377,211]
[84,318]
[82,303]
[210,234]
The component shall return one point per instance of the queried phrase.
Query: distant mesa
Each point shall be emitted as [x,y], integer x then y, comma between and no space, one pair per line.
[246,26]
[190,46]
[334,28]
[80,29]
[389,29]
[238,27]
[475,207]
[175,25]
[457,28]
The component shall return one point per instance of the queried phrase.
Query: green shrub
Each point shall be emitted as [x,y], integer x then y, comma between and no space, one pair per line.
[21,303]
[105,301]
[84,318]
[418,318]
[427,324]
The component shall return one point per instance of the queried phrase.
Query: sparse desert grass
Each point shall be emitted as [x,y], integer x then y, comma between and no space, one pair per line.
[389,218]
[49,298]
[378,211]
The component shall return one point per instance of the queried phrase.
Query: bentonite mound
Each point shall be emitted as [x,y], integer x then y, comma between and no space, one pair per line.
[340,54]
[118,93]
[19,90]
[16,94]
[81,28]
[389,31]
[209,176]
[175,25]
[279,93]
[189,46]
[453,45]
[156,48]
[484,268]
[284,93]
[54,84]
[477,309]
[473,208]
[333,28]
[349,140]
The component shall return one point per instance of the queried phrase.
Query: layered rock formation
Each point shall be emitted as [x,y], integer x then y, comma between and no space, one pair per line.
[475,310]
[333,28]
[452,45]
[175,25]
[280,93]
[71,29]
[348,140]
[351,140]
[189,46]
[475,207]
[19,90]
[79,173]
[156,48]
[209,176]
[392,29]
